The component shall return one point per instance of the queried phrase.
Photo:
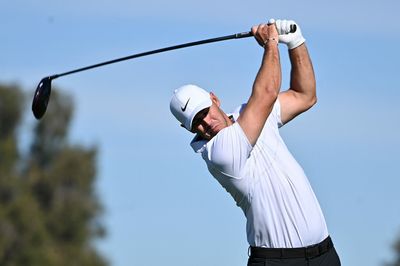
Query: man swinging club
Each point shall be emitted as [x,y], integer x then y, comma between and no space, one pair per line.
[246,154]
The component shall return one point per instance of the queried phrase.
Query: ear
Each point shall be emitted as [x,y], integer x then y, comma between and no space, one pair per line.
[215,99]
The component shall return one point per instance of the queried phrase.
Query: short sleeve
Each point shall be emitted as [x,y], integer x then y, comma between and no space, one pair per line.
[276,113]
[228,151]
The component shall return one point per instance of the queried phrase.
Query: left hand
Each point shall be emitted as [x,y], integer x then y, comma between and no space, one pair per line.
[292,40]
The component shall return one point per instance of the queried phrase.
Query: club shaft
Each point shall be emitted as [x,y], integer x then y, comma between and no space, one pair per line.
[218,39]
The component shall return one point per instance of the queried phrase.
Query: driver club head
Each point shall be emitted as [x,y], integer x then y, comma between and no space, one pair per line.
[41,97]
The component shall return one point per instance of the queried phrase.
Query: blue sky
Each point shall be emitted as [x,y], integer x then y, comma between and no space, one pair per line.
[162,206]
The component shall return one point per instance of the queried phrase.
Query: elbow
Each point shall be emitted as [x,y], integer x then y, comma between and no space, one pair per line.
[310,102]
[271,95]
[266,93]
[307,100]
[273,90]
[313,101]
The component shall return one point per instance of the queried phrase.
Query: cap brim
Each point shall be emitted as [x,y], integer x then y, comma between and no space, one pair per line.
[203,105]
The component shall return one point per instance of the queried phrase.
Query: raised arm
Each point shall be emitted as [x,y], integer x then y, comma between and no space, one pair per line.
[301,95]
[266,85]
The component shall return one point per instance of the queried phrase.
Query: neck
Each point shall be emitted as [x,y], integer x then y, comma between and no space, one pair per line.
[228,119]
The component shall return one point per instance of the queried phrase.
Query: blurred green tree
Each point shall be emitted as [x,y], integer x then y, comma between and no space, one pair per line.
[49,212]
[396,249]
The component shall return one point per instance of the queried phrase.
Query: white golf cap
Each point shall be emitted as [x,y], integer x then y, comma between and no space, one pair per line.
[187,101]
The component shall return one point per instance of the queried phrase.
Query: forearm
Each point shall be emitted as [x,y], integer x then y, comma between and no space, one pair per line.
[268,80]
[302,80]
[266,84]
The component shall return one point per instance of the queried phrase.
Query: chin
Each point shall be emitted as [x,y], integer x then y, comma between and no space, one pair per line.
[218,129]
[213,134]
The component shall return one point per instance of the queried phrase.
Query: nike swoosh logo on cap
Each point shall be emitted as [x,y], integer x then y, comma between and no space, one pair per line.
[184,108]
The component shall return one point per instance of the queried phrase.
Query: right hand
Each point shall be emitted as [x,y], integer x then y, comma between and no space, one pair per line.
[265,33]
[292,40]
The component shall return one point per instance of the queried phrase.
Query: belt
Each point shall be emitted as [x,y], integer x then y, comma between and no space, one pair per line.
[291,253]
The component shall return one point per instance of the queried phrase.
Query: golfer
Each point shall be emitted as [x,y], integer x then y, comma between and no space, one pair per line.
[246,154]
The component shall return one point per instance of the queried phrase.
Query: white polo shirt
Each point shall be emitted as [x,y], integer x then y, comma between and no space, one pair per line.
[267,183]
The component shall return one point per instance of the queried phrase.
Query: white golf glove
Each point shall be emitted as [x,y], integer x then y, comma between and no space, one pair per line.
[292,40]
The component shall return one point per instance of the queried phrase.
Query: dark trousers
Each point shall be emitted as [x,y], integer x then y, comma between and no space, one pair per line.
[328,257]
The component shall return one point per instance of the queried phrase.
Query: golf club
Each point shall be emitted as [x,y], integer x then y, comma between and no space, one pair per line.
[43,90]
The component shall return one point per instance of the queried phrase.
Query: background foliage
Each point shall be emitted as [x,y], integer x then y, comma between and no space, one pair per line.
[49,212]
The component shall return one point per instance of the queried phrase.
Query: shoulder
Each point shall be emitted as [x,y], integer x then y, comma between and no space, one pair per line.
[228,150]
[274,117]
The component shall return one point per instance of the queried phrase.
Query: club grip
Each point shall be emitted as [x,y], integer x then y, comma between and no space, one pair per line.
[293,29]
[243,35]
